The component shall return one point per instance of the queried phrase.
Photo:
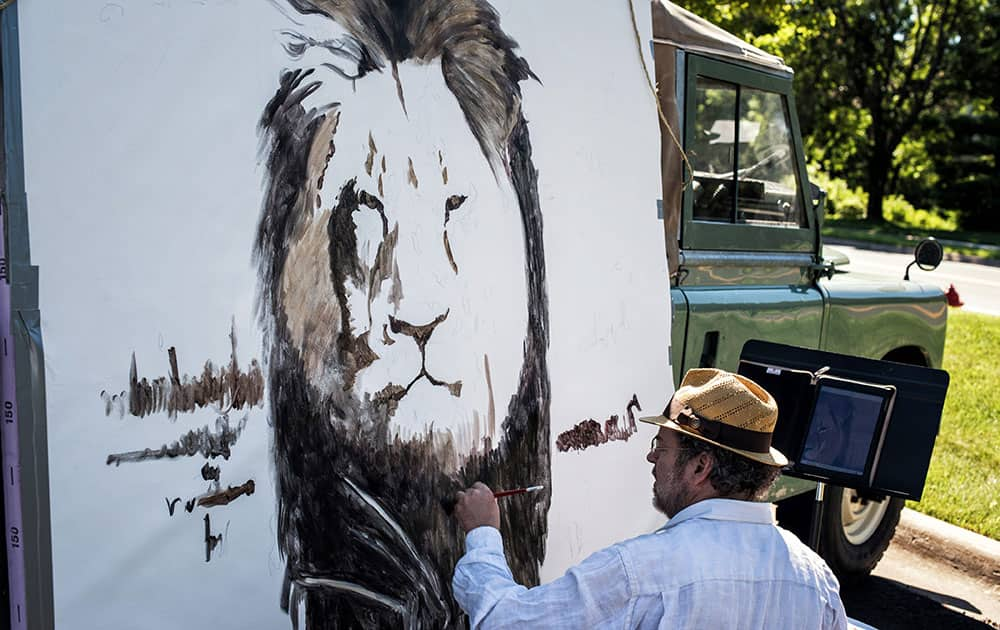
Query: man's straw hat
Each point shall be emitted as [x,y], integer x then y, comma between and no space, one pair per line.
[724,409]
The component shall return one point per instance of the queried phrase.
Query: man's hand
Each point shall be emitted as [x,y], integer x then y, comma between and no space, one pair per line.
[476,507]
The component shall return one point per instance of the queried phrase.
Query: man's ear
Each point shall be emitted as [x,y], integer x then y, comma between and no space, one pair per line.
[700,469]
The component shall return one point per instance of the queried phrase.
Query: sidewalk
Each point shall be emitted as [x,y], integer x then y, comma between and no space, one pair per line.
[974,555]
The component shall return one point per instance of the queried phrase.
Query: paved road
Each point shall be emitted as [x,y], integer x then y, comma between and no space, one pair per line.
[977,285]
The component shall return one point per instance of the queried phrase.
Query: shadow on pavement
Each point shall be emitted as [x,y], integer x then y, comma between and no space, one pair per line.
[889,605]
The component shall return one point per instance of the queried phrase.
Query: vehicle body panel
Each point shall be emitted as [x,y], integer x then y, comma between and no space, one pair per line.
[871,318]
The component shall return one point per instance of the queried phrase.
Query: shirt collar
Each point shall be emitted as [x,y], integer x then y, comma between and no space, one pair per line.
[724,510]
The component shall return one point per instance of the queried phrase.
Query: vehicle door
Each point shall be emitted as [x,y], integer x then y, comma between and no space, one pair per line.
[749,234]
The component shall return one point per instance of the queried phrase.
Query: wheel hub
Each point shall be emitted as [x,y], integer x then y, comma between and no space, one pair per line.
[860,517]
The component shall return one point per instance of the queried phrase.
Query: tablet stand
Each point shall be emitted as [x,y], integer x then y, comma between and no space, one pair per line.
[816,525]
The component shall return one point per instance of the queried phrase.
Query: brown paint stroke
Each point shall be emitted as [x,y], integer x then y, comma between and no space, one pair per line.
[361,355]
[224,388]
[632,404]
[491,410]
[448,252]
[412,175]
[330,150]
[476,429]
[381,186]
[396,288]
[386,339]
[372,150]
[383,164]
[444,175]
[228,495]
[589,432]
[202,442]
[382,268]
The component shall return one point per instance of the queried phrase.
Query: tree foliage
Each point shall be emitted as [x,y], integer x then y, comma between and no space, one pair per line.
[876,80]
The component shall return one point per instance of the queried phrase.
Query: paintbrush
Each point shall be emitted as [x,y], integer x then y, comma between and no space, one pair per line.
[508,493]
[449,503]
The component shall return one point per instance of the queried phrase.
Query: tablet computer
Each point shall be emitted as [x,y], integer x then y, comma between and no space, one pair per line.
[846,431]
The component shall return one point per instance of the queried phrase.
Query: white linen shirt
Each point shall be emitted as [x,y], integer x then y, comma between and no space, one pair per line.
[719,563]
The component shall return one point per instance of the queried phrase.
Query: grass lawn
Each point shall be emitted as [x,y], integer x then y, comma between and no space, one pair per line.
[893,234]
[963,485]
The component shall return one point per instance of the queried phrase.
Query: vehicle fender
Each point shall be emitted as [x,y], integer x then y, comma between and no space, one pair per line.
[871,318]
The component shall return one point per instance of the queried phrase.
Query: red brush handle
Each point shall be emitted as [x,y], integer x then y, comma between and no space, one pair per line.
[507,493]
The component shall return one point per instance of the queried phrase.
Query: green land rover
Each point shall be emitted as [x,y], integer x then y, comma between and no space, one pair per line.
[752,265]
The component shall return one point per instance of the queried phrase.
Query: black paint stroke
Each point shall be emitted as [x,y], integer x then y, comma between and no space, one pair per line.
[210,472]
[211,542]
[411,174]
[202,442]
[390,395]
[451,204]
[359,524]
[171,504]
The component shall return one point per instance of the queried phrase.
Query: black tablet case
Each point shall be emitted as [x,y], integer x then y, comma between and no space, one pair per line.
[913,426]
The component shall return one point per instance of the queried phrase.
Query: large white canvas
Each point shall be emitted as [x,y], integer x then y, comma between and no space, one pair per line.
[146,175]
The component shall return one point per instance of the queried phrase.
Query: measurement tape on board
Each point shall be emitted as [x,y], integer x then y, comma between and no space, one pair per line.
[11,449]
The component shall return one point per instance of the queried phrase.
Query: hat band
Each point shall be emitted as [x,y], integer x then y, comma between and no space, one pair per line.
[735,437]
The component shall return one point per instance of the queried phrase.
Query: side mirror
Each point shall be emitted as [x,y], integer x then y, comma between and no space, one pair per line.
[927,256]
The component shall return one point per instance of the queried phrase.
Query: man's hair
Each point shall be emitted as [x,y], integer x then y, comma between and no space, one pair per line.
[732,476]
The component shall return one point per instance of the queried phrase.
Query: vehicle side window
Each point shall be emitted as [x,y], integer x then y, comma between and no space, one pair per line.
[712,153]
[755,158]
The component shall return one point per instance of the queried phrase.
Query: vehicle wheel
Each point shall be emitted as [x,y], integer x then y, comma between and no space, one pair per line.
[855,532]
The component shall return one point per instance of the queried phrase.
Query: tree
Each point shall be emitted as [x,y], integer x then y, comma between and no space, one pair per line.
[965,144]
[901,59]
[868,72]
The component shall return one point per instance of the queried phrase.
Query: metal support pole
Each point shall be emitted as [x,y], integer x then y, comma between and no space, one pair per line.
[817,517]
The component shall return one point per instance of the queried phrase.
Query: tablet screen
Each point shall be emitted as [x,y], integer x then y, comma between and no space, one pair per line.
[842,428]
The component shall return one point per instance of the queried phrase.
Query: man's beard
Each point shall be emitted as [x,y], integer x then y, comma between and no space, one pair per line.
[670,495]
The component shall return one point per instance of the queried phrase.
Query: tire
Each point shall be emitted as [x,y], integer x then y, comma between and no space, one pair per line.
[854,534]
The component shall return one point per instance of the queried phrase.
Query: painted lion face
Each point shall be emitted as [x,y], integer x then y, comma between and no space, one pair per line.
[404,286]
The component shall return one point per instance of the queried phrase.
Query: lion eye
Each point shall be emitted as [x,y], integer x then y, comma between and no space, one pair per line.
[451,204]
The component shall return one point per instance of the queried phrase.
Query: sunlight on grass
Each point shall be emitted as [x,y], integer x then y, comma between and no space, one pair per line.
[963,485]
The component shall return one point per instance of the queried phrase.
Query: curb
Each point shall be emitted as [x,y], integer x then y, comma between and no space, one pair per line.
[903,249]
[973,554]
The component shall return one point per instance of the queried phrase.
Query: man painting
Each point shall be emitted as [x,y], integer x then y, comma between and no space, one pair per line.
[401,364]
[719,562]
